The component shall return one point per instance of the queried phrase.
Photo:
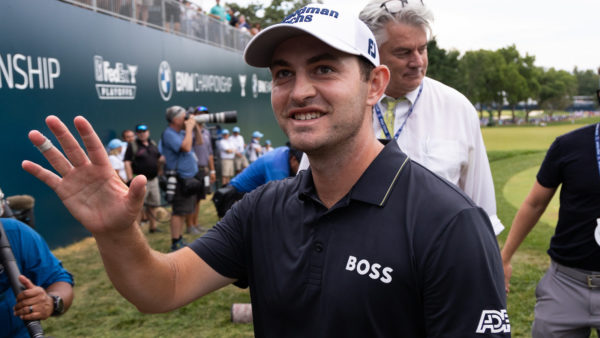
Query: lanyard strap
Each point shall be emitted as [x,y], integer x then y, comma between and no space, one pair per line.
[384,127]
[597,137]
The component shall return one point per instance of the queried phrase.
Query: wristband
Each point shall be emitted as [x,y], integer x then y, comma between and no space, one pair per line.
[213,172]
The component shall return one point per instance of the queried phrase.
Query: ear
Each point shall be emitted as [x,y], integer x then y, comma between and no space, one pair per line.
[378,81]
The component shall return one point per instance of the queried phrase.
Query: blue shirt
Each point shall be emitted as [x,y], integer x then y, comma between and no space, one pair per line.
[170,146]
[36,262]
[274,165]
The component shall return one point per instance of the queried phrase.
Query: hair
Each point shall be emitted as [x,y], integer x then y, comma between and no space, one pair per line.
[414,14]
[125,132]
[115,151]
[366,67]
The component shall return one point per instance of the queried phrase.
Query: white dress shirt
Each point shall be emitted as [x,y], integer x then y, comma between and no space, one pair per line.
[443,134]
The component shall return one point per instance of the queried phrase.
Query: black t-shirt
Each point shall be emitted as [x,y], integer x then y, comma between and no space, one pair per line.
[145,161]
[571,161]
[404,254]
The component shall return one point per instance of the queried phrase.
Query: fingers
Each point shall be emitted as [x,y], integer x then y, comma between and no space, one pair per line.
[56,159]
[137,192]
[49,178]
[94,146]
[33,303]
[69,144]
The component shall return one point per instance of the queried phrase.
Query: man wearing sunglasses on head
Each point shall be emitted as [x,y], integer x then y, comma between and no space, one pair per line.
[434,124]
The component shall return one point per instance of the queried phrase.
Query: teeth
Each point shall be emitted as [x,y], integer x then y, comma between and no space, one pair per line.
[307,116]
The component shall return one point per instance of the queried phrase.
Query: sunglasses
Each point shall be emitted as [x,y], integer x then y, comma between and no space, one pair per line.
[395,6]
[141,128]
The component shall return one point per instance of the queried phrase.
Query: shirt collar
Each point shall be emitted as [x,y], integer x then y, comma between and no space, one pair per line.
[411,96]
[375,184]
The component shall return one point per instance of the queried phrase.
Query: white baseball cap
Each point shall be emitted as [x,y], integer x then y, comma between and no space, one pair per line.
[338,28]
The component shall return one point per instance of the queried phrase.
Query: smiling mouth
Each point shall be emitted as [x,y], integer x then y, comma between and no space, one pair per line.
[307,116]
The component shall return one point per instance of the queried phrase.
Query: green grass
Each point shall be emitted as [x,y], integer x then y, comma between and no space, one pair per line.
[515,153]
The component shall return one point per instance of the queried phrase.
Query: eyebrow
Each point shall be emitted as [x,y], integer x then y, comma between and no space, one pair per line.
[312,60]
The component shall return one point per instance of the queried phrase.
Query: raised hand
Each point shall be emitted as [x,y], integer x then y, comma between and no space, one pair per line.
[87,184]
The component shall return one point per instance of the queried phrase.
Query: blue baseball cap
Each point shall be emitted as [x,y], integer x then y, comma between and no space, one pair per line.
[257,134]
[236,129]
[115,143]
[225,131]
[141,127]
[268,142]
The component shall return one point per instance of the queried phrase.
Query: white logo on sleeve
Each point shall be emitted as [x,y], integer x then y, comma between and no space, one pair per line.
[493,320]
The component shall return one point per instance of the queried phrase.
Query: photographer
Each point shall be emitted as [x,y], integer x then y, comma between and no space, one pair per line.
[176,147]
[49,287]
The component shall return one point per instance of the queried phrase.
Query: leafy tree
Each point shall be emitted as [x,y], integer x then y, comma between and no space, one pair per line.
[587,81]
[483,76]
[273,13]
[521,80]
[443,66]
[557,90]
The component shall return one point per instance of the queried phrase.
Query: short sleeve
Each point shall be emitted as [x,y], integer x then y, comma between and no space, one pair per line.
[549,174]
[223,246]
[463,280]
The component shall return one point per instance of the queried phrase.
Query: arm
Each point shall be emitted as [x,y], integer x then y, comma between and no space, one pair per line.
[89,189]
[526,218]
[476,181]
[186,145]
[211,166]
[39,299]
[128,170]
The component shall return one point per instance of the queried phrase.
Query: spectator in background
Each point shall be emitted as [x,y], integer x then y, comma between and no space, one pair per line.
[569,293]
[434,124]
[172,15]
[143,158]
[202,146]
[189,18]
[227,151]
[239,161]
[255,29]
[218,12]
[127,136]
[233,20]
[278,164]
[141,8]
[242,24]
[254,150]
[115,147]
[267,148]
[176,146]
[48,286]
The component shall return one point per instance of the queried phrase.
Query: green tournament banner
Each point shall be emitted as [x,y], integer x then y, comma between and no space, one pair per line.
[56,58]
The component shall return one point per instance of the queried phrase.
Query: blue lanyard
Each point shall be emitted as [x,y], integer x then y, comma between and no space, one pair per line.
[597,137]
[384,127]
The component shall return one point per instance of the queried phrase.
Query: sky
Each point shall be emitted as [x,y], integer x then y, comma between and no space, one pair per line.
[560,33]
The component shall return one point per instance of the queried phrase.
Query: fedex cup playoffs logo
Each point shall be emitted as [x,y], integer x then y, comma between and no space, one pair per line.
[165,80]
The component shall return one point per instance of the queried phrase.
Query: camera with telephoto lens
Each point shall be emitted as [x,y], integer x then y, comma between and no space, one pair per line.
[171,185]
[220,117]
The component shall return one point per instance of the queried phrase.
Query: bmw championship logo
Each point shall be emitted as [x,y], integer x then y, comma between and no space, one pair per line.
[165,80]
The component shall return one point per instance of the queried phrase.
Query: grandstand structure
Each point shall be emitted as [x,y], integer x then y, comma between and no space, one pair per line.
[193,24]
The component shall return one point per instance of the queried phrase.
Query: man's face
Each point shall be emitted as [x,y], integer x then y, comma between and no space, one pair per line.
[405,54]
[128,136]
[143,135]
[318,95]
[178,121]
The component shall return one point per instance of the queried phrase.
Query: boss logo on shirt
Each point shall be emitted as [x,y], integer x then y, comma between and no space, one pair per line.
[374,271]
[493,321]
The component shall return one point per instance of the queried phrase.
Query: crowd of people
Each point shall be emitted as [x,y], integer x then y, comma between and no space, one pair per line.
[389,219]
[185,151]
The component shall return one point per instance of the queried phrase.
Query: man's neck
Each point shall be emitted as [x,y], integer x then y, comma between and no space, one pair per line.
[336,173]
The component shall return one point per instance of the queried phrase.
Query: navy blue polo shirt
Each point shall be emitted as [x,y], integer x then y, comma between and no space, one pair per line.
[403,254]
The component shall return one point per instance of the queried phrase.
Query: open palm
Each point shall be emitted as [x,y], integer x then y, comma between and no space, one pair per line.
[87,184]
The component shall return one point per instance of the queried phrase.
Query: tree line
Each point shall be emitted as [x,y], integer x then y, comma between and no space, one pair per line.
[488,78]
